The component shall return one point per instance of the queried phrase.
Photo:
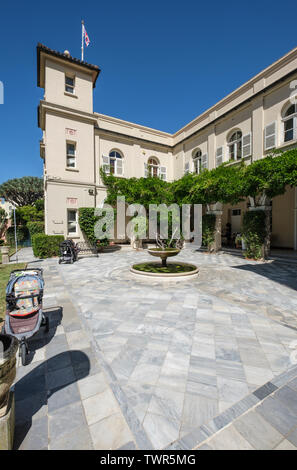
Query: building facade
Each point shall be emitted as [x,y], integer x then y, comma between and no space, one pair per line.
[245,125]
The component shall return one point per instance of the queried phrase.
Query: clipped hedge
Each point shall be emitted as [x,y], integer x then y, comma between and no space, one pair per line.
[254,233]
[208,230]
[46,246]
[35,227]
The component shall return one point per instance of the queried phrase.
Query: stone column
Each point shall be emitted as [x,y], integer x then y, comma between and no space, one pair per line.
[217,210]
[5,255]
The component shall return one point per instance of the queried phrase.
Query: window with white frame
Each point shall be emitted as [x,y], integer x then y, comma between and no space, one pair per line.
[290,123]
[115,163]
[69,84]
[72,222]
[197,161]
[153,167]
[70,154]
[235,146]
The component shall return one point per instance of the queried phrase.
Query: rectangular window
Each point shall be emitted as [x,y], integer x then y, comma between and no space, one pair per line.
[71,154]
[270,136]
[69,84]
[72,222]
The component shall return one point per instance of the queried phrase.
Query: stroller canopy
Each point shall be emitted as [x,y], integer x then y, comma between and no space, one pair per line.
[24,292]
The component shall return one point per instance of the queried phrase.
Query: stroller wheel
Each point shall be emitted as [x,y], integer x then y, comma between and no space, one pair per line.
[47,325]
[23,353]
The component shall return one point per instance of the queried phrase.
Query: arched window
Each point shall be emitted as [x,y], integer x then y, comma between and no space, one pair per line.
[197,154]
[153,167]
[115,163]
[290,123]
[235,146]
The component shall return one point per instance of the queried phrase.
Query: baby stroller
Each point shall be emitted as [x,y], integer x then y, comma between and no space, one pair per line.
[68,252]
[24,316]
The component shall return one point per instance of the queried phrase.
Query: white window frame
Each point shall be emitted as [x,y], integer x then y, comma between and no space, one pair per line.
[235,143]
[245,146]
[219,155]
[76,222]
[71,89]
[197,161]
[107,166]
[151,167]
[69,142]
[274,134]
[163,173]
[204,162]
[288,118]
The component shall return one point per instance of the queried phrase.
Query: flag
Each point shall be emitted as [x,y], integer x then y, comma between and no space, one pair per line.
[87,39]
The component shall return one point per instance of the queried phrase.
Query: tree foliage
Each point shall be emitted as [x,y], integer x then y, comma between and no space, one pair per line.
[22,191]
[225,184]
[35,212]
[254,233]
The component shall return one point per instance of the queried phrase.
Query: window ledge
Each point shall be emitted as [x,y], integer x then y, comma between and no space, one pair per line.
[286,144]
[72,169]
[66,93]
[236,162]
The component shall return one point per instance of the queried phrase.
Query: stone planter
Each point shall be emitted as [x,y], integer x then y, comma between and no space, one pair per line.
[5,254]
[8,350]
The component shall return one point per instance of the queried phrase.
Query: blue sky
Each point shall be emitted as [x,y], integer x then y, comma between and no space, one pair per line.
[163,62]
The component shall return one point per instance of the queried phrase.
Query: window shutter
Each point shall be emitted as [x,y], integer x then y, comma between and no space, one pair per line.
[204,162]
[270,136]
[119,166]
[219,156]
[247,145]
[105,161]
[145,170]
[187,168]
[163,173]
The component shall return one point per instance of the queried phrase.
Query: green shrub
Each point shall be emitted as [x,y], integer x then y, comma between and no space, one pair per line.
[254,233]
[22,235]
[87,221]
[208,229]
[46,246]
[35,227]
[1,242]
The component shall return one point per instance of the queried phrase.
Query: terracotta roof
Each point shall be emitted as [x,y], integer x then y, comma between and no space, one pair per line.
[42,48]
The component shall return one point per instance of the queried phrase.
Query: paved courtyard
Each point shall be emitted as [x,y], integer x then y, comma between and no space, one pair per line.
[164,364]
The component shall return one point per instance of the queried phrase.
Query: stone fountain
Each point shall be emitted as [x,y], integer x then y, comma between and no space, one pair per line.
[164,270]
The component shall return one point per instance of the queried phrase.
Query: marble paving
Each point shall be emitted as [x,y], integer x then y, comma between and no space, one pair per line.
[177,355]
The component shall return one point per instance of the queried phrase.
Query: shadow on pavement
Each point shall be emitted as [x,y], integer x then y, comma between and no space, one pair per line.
[51,382]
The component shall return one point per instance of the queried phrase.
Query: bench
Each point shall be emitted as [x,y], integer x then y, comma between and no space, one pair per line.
[86,249]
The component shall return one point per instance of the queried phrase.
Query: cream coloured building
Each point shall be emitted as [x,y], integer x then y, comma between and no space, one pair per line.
[77,141]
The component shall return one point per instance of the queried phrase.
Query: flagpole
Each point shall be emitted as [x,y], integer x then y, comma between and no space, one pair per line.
[82,39]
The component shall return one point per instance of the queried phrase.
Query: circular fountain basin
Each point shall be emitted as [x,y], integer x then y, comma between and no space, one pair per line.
[171,272]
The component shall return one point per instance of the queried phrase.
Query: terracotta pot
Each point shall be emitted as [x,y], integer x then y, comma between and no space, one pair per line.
[8,350]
